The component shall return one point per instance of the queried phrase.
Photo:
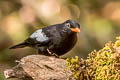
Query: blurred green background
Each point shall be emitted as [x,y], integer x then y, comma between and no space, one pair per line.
[99,19]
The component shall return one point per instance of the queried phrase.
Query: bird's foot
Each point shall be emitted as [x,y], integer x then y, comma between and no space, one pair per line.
[17,61]
[53,54]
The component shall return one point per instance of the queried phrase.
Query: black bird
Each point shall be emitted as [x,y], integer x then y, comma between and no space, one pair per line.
[53,40]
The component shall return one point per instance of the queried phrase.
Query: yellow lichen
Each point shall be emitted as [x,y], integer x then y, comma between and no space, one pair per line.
[99,65]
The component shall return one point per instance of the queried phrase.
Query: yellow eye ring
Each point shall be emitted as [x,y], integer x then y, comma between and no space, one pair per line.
[68,25]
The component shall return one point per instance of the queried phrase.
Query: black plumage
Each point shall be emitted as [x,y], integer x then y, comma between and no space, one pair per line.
[53,40]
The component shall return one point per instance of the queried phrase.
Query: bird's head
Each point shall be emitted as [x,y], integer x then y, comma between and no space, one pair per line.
[72,25]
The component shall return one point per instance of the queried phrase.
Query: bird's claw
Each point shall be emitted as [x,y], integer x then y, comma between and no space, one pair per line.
[53,54]
[17,61]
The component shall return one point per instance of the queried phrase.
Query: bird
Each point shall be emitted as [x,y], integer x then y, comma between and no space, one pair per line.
[53,40]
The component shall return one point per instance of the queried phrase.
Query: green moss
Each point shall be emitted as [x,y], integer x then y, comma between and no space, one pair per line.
[99,65]
[73,65]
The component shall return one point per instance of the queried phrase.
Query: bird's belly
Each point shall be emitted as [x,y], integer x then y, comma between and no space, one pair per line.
[64,46]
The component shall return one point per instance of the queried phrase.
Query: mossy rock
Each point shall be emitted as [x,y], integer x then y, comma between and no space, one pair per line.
[99,65]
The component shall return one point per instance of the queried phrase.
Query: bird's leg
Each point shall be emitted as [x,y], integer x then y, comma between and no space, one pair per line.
[39,49]
[49,52]
[53,54]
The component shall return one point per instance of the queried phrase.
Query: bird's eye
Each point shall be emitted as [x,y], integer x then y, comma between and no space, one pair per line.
[68,25]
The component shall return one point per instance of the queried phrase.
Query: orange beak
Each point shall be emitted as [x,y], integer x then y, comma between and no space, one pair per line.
[75,29]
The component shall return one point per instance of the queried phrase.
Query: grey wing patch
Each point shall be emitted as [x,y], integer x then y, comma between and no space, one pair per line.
[39,36]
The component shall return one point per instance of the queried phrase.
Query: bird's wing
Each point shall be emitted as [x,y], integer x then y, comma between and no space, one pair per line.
[38,37]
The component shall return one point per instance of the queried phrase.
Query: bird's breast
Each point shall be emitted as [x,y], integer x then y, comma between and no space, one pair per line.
[64,45]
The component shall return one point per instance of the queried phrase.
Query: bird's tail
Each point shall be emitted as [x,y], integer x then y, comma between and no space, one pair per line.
[21,45]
